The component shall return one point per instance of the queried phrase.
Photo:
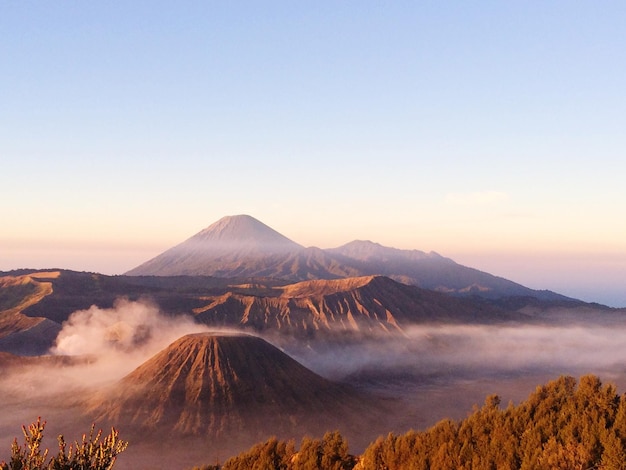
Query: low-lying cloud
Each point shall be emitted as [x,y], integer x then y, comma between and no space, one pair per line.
[109,343]
[118,339]
[128,327]
[95,348]
[429,349]
[513,347]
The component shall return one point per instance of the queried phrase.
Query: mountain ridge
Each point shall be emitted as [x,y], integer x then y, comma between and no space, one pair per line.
[312,308]
[328,309]
[364,250]
[242,246]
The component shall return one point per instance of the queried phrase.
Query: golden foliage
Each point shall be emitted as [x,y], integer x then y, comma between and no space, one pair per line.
[93,453]
[562,425]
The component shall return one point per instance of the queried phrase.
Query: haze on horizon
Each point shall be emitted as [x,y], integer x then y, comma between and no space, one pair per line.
[489,133]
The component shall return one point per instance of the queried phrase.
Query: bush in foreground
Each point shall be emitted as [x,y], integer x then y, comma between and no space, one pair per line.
[329,453]
[563,425]
[92,453]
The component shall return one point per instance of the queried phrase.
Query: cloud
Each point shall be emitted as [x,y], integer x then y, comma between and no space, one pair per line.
[120,338]
[428,349]
[477,198]
[104,345]
[514,347]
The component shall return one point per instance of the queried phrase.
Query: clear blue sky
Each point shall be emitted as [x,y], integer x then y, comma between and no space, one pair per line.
[491,132]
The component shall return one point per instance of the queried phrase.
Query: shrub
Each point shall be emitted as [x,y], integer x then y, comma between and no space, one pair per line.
[92,453]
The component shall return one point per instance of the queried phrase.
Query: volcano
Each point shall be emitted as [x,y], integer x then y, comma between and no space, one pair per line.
[224,384]
[240,246]
[229,246]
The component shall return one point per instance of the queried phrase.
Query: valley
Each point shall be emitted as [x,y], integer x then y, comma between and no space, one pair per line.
[239,334]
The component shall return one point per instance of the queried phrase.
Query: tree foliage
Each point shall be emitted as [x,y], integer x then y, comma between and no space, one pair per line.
[330,452]
[94,452]
[563,425]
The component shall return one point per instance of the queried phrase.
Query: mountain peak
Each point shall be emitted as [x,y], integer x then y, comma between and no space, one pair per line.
[366,250]
[244,232]
[241,246]
[205,383]
[234,224]
[219,246]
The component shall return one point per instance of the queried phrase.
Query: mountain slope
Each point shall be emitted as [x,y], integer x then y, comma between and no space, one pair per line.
[221,247]
[241,246]
[364,305]
[209,385]
[34,304]
[20,333]
[368,251]
[431,271]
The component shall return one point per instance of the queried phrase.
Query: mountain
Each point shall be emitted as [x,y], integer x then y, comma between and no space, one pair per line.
[432,271]
[20,333]
[368,251]
[367,305]
[34,304]
[222,249]
[218,384]
[241,246]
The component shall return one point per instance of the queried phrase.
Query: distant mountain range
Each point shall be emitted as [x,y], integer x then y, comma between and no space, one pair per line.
[241,246]
[241,273]
[34,304]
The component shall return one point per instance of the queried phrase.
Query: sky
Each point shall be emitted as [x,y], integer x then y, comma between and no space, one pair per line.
[489,132]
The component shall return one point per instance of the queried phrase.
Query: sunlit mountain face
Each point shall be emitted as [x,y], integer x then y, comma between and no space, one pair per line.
[241,246]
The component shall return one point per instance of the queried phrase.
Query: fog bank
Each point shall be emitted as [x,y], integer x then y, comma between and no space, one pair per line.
[430,349]
[119,339]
